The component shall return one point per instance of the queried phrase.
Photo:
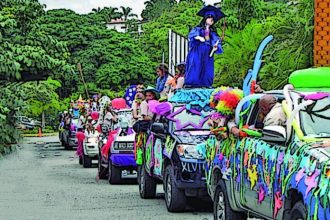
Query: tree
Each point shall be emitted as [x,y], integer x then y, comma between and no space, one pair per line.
[26,54]
[111,14]
[127,13]
[155,8]
[97,10]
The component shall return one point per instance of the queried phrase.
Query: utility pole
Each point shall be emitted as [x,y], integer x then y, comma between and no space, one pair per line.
[82,78]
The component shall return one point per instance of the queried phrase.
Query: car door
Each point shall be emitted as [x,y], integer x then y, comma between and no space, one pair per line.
[261,163]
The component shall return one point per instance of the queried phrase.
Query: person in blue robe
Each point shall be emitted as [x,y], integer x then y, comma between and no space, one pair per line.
[203,43]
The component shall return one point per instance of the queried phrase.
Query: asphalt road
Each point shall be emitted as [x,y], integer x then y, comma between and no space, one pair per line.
[44,181]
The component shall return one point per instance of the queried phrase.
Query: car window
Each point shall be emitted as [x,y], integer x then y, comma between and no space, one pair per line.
[255,118]
[315,119]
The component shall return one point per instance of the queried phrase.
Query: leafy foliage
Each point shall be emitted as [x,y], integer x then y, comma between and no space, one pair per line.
[26,54]
[292,48]
[155,8]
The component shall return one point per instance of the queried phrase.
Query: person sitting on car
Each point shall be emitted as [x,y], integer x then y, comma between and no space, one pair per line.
[143,122]
[150,94]
[136,105]
[271,113]
[91,132]
[110,117]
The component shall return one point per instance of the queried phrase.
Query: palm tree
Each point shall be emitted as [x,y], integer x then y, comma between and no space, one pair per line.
[126,13]
[97,10]
[111,13]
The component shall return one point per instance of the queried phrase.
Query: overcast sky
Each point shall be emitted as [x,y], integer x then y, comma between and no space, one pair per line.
[86,6]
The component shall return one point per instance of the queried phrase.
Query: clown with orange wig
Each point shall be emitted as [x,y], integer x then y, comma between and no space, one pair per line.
[224,100]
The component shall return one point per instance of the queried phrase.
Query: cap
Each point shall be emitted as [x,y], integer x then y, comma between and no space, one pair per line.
[153,90]
[213,11]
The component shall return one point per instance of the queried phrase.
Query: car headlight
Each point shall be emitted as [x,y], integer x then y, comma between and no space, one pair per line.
[189,152]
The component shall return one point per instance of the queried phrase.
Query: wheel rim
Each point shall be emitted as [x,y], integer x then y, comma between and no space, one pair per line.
[141,181]
[221,207]
[168,190]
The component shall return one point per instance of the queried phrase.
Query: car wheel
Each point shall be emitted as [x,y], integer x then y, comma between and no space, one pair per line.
[175,198]
[87,161]
[103,171]
[114,176]
[147,185]
[298,212]
[221,206]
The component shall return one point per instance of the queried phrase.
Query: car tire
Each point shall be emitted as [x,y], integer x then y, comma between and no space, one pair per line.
[114,175]
[221,206]
[87,161]
[175,198]
[298,211]
[103,171]
[67,146]
[147,185]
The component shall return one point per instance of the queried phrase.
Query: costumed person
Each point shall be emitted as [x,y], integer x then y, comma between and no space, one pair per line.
[225,101]
[163,77]
[75,111]
[144,121]
[110,117]
[95,103]
[150,94]
[177,81]
[136,106]
[80,137]
[203,42]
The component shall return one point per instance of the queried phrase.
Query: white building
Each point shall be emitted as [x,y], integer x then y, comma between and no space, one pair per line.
[120,25]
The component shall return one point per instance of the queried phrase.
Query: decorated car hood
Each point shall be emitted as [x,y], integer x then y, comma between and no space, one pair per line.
[191,137]
[319,150]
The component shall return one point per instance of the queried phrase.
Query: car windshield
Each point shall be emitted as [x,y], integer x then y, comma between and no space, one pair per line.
[315,119]
[125,117]
[183,119]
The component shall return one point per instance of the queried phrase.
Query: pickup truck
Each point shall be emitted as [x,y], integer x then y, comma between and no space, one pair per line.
[117,153]
[284,173]
[171,150]
[67,136]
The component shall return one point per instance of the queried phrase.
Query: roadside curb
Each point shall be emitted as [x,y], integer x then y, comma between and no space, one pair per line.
[36,135]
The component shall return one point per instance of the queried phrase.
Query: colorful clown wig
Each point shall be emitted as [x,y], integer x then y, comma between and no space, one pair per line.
[215,96]
[225,100]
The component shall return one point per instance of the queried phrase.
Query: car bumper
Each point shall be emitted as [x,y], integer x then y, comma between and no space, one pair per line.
[123,160]
[190,176]
[91,150]
[73,142]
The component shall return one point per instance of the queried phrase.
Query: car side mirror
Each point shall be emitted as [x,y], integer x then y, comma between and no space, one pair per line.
[274,134]
[158,128]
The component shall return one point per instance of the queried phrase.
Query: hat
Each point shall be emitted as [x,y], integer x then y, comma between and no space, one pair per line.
[153,90]
[181,64]
[213,11]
